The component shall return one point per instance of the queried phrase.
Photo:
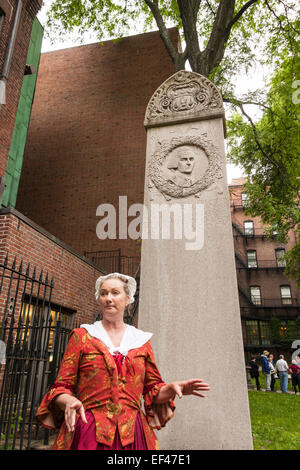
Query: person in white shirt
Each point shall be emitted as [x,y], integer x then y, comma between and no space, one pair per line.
[273,371]
[282,372]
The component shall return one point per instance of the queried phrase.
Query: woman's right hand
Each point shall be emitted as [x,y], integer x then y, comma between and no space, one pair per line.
[71,406]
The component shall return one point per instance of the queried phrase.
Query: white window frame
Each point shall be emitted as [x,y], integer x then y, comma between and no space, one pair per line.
[250,262]
[246,229]
[245,199]
[255,298]
[286,299]
[280,263]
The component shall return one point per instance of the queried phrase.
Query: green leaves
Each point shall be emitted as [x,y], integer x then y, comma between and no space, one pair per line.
[269,152]
[264,27]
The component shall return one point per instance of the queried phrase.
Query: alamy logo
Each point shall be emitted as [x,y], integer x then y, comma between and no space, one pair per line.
[295,95]
[156,222]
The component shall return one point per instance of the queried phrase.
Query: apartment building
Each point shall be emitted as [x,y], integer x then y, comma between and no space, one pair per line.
[269,300]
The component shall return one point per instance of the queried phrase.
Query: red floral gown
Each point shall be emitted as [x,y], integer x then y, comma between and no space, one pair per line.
[111,390]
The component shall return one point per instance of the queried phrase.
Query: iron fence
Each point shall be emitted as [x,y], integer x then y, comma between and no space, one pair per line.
[113,261]
[35,332]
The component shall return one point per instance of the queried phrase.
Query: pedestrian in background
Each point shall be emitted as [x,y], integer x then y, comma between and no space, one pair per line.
[294,369]
[282,372]
[254,371]
[273,371]
[266,370]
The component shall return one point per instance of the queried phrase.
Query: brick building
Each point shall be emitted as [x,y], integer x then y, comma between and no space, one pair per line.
[86,142]
[269,301]
[20,39]
[16,24]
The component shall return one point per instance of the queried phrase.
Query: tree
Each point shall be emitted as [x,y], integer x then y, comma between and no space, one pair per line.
[269,151]
[218,34]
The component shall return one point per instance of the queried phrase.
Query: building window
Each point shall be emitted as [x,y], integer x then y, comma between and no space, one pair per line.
[258,333]
[248,227]
[252,333]
[265,333]
[255,294]
[289,329]
[279,253]
[251,259]
[245,199]
[286,297]
[42,320]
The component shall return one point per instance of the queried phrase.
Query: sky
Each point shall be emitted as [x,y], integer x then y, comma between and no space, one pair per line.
[245,83]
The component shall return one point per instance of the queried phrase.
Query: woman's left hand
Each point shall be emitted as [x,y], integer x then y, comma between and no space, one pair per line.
[183,387]
[189,387]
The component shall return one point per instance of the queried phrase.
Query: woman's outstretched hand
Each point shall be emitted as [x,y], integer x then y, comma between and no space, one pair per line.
[190,387]
[180,388]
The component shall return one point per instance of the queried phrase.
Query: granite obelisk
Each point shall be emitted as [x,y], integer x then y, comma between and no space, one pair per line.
[188,292]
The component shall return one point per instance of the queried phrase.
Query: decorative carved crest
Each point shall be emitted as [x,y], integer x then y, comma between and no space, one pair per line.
[177,188]
[184,96]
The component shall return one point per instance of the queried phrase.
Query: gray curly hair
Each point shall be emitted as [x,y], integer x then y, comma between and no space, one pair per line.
[128,281]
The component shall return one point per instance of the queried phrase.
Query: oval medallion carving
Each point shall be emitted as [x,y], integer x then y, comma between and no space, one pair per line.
[184,166]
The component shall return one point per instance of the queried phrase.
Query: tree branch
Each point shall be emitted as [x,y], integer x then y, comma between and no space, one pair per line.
[188,13]
[214,51]
[240,13]
[177,57]
[280,169]
[210,7]
[236,101]
[280,22]
[270,160]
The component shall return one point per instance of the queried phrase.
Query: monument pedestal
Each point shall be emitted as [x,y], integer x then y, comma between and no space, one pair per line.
[188,291]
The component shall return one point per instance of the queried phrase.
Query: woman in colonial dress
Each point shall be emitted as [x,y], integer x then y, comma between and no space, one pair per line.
[108,366]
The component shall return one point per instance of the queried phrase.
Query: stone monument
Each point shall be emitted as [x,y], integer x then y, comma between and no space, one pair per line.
[188,292]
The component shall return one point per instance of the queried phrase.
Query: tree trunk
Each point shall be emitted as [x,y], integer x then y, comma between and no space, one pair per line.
[202,62]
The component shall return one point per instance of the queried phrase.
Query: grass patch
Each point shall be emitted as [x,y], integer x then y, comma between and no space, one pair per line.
[275,419]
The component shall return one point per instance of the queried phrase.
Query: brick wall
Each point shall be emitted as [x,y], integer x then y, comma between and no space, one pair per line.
[14,83]
[74,277]
[86,142]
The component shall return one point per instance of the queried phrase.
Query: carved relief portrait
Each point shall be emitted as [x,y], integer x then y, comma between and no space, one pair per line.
[184,166]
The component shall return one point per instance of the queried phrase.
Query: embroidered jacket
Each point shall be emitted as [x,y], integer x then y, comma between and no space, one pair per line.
[89,372]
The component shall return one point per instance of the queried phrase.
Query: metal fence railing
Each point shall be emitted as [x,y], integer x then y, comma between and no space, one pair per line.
[114,261]
[35,333]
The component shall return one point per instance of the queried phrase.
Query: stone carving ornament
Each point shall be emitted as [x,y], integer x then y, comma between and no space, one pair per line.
[182,97]
[169,188]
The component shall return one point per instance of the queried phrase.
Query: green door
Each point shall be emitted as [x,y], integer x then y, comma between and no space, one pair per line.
[17,146]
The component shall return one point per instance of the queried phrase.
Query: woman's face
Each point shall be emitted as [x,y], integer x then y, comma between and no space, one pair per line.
[113,299]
